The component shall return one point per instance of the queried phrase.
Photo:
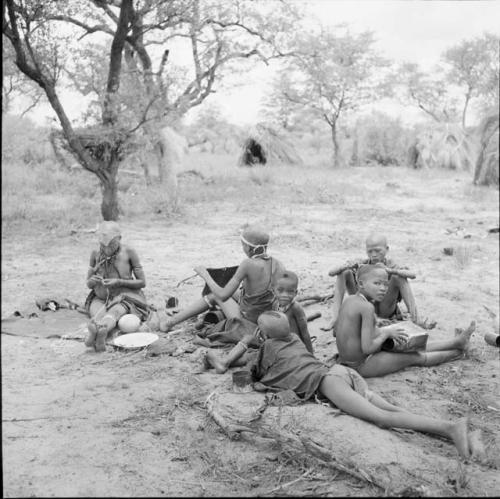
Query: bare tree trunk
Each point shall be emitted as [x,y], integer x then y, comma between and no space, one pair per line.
[336,148]
[109,187]
[466,105]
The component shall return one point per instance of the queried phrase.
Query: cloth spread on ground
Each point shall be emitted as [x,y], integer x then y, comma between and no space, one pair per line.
[65,323]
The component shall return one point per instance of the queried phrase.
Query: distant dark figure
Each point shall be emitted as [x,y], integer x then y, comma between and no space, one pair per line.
[254,154]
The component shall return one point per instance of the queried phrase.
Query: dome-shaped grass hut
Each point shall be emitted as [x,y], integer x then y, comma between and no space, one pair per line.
[263,145]
[444,145]
[487,166]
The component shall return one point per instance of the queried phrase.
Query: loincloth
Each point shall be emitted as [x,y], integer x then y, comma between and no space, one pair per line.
[352,378]
[353,364]
[133,303]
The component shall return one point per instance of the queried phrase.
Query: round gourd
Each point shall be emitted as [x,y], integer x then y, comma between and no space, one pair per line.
[129,323]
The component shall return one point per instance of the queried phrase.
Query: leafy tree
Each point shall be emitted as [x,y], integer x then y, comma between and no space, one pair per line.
[331,73]
[133,85]
[474,66]
[430,94]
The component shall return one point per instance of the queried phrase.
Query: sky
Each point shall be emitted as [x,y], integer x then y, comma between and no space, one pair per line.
[415,31]
[405,30]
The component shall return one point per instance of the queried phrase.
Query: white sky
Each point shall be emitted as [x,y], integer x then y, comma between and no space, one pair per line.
[417,31]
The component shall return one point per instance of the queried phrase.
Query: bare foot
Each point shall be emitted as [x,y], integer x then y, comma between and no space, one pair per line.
[166,325]
[426,323]
[463,336]
[216,362]
[476,446]
[100,342]
[458,433]
[90,340]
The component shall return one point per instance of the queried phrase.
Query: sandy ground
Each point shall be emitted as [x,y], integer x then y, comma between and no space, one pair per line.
[120,424]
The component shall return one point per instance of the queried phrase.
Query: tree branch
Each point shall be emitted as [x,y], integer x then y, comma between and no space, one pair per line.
[109,115]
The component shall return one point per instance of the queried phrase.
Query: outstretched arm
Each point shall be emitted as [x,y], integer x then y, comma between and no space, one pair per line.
[229,289]
[301,319]
[401,272]
[350,264]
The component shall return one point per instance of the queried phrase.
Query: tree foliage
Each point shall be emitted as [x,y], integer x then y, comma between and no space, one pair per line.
[474,66]
[126,71]
[332,73]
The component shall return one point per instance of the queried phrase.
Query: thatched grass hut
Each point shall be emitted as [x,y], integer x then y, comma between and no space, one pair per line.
[264,145]
[445,145]
[487,162]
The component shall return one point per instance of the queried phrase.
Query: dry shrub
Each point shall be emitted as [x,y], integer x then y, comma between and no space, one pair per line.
[379,139]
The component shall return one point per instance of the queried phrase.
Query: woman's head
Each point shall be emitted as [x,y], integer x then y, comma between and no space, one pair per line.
[109,236]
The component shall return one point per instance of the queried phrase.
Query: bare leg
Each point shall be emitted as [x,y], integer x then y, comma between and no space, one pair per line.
[194,309]
[459,342]
[408,298]
[97,309]
[229,307]
[221,365]
[397,285]
[346,399]
[381,403]
[345,282]
[104,324]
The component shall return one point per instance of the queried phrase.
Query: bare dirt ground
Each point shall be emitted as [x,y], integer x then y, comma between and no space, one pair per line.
[120,424]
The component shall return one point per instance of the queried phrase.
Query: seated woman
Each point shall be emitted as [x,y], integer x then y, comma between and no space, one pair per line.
[256,274]
[116,279]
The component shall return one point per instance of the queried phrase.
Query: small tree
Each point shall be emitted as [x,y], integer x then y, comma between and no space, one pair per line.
[430,94]
[474,66]
[332,73]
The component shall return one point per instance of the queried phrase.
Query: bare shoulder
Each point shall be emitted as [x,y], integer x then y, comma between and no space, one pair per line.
[131,252]
[297,309]
[354,303]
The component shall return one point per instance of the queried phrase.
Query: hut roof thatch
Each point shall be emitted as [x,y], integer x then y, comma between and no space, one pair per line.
[273,144]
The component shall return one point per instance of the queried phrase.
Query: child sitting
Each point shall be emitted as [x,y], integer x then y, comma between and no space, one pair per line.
[284,363]
[285,291]
[257,276]
[359,341]
[399,288]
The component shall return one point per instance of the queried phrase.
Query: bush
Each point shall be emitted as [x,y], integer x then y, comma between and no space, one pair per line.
[380,139]
[23,141]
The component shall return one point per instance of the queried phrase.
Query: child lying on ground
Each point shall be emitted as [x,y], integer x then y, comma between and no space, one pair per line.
[359,341]
[284,363]
[116,279]
[399,287]
[257,276]
[285,291]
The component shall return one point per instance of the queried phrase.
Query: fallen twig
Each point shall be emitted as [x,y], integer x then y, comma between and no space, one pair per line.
[314,298]
[15,420]
[287,484]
